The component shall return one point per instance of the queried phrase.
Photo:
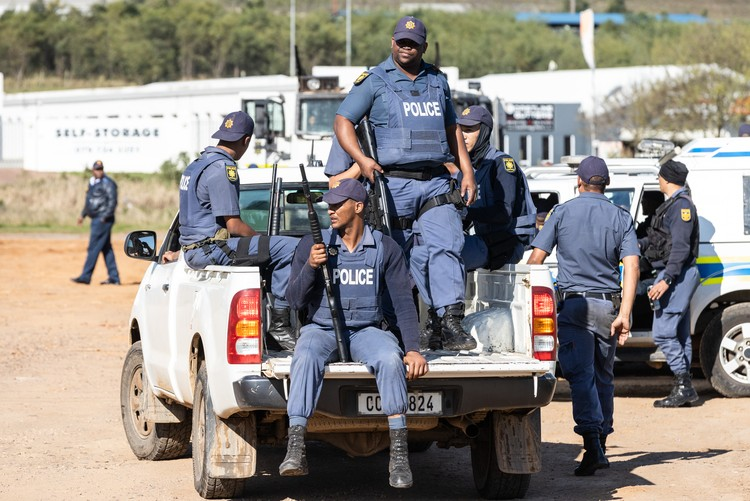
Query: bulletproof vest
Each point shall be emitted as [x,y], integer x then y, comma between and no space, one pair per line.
[356,282]
[196,223]
[660,239]
[416,124]
[523,222]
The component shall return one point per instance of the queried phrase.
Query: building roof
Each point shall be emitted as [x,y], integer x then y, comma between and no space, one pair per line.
[559,19]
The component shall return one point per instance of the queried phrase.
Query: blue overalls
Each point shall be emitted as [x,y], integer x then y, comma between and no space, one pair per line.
[592,235]
[209,190]
[671,326]
[501,213]
[357,278]
[410,120]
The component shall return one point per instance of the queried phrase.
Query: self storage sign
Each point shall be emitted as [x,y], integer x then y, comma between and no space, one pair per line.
[529,117]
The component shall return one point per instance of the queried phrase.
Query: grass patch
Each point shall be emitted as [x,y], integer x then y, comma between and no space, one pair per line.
[51,202]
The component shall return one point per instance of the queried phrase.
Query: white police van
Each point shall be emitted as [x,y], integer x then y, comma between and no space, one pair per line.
[719,180]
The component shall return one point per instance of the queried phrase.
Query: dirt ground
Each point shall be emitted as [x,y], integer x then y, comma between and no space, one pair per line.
[63,345]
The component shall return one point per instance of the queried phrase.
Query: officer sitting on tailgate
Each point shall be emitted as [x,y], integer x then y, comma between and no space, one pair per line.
[365,264]
[408,102]
[211,230]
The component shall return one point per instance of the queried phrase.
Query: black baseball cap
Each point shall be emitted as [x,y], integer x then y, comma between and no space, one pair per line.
[410,28]
[474,115]
[592,167]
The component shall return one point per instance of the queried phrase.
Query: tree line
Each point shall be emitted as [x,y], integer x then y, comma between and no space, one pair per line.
[142,41]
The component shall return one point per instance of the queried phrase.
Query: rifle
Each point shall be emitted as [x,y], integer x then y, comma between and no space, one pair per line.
[366,137]
[333,302]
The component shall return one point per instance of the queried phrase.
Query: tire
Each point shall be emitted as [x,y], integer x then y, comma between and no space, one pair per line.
[148,440]
[204,422]
[490,481]
[725,351]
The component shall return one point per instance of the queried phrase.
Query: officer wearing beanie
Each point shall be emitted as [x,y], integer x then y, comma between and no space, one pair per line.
[592,236]
[409,105]
[671,248]
[211,230]
[364,264]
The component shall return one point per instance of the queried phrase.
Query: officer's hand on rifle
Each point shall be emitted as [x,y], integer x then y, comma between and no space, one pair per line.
[318,256]
[416,365]
[369,167]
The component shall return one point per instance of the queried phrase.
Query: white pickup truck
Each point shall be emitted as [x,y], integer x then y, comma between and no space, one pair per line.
[198,367]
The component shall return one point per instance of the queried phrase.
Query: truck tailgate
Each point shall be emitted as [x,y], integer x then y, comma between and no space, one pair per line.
[442,365]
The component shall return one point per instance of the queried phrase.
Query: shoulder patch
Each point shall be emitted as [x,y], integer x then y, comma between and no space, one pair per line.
[685,214]
[361,78]
[232,172]
[510,164]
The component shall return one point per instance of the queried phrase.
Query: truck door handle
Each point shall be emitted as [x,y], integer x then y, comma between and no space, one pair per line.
[165,287]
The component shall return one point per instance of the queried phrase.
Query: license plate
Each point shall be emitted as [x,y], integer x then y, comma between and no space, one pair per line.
[429,402]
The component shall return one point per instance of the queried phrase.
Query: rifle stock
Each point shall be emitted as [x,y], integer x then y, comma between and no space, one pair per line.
[366,137]
[333,302]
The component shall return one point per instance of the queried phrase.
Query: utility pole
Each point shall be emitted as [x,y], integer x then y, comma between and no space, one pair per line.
[292,37]
[348,32]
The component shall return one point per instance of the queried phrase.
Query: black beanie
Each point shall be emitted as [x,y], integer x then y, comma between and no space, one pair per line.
[674,172]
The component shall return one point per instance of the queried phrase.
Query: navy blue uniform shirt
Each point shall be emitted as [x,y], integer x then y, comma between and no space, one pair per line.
[592,235]
[306,281]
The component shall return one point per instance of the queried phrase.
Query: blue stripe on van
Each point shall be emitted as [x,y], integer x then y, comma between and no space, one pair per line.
[733,154]
[704,149]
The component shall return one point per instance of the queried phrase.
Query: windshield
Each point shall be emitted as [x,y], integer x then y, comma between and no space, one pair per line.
[316,115]
[255,202]
[621,197]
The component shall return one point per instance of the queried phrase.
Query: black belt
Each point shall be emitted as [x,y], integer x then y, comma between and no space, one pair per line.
[421,175]
[591,295]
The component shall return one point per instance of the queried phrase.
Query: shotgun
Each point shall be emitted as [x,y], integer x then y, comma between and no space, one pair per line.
[333,302]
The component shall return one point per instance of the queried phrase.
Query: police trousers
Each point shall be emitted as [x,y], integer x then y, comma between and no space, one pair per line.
[671,327]
[587,356]
[434,243]
[377,349]
[281,250]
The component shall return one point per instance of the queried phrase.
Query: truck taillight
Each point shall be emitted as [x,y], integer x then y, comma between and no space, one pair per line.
[543,323]
[244,332]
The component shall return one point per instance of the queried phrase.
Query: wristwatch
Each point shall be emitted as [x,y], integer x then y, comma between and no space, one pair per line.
[668,280]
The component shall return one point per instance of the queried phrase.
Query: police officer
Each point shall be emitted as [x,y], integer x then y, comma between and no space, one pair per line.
[211,230]
[592,236]
[101,202]
[503,216]
[408,102]
[363,262]
[671,247]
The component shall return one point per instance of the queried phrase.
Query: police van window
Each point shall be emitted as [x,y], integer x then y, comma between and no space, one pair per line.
[621,197]
[255,202]
[316,115]
[746,202]
[569,145]
[268,117]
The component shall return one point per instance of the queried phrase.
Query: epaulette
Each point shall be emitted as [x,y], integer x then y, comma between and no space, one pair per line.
[361,78]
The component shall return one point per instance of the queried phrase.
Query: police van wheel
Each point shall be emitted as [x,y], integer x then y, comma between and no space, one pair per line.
[148,440]
[490,481]
[725,351]
[204,426]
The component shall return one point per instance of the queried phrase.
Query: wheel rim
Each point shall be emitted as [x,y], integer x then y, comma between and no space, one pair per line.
[138,404]
[734,353]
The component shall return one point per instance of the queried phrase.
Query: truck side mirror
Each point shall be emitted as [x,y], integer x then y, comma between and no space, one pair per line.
[141,244]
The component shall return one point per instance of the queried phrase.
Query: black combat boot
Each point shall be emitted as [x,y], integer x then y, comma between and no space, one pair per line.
[431,336]
[281,328]
[603,443]
[398,466]
[455,337]
[593,458]
[295,462]
[683,393]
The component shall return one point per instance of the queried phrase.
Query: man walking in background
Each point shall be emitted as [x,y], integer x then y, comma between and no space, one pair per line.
[101,202]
